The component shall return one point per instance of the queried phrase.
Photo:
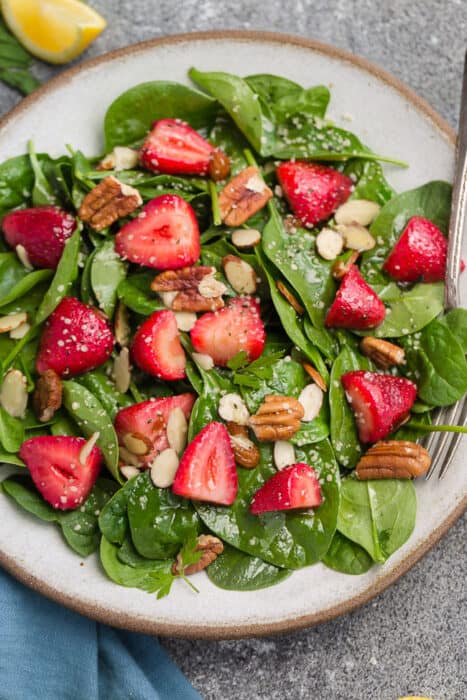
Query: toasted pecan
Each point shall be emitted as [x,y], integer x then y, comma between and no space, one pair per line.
[210,546]
[243,196]
[278,418]
[47,397]
[219,165]
[245,451]
[107,202]
[393,459]
[383,353]
[186,282]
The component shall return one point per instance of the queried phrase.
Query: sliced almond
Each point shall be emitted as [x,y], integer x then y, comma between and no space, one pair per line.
[14,393]
[311,399]
[356,237]
[164,468]
[167,298]
[246,238]
[329,243]
[128,457]
[121,325]
[137,443]
[20,331]
[9,323]
[202,360]
[240,274]
[122,373]
[357,211]
[232,408]
[185,320]
[341,268]
[294,303]
[23,256]
[284,454]
[210,288]
[121,158]
[87,448]
[128,471]
[177,430]
[315,375]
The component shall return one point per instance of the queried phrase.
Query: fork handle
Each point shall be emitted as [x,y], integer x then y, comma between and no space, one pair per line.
[458,221]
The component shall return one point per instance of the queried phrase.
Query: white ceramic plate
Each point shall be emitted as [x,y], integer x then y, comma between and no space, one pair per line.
[390,119]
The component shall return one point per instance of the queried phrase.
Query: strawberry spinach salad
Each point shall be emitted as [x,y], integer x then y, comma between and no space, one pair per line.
[221,341]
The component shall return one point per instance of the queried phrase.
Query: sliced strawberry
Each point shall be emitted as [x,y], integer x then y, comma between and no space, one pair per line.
[419,254]
[165,235]
[42,231]
[223,334]
[57,470]
[296,486]
[149,419]
[313,191]
[76,338]
[207,469]
[356,305]
[175,148]
[156,347]
[380,402]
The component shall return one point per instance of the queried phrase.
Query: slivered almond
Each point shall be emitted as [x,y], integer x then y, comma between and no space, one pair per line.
[137,443]
[121,158]
[23,256]
[202,360]
[232,409]
[20,331]
[356,237]
[185,320]
[284,454]
[87,447]
[128,457]
[246,238]
[9,323]
[164,468]
[329,243]
[128,471]
[211,288]
[315,375]
[121,368]
[240,274]
[121,325]
[177,430]
[294,303]
[341,268]
[357,211]
[14,393]
[311,398]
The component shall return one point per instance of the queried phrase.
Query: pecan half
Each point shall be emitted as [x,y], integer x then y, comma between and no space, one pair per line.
[341,268]
[315,375]
[383,353]
[278,418]
[107,202]
[219,165]
[243,196]
[290,298]
[210,546]
[47,397]
[393,459]
[186,283]
[245,451]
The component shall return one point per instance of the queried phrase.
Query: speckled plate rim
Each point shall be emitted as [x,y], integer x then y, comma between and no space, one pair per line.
[137,624]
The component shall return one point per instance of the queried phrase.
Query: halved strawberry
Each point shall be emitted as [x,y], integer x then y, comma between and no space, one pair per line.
[57,470]
[314,191]
[149,419]
[207,469]
[296,486]
[223,334]
[173,147]
[42,231]
[76,338]
[156,347]
[164,235]
[380,402]
[356,305]
[419,254]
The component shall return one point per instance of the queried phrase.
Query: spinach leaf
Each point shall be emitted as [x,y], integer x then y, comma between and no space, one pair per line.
[15,63]
[284,377]
[205,407]
[286,97]
[127,554]
[346,556]
[135,292]
[113,518]
[130,576]
[11,432]
[16,182]
[312,432]
[106,272]
[370,181]
[104,390]
[42,192]
[289,539]
[377,515]
[225,135]
[160,521]
[130,116]
[11,274]
[456,321]
[24,285]
[21,489]
[91,417]
[64,425]
[65,275]
[6,458]
[234,570]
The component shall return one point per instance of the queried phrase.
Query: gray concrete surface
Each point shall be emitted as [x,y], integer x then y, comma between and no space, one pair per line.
[412,639]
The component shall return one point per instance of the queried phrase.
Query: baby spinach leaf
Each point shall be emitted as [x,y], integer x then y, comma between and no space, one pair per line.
[286,97]
[284,377]
[104,390]
[24,285]
[11,432]
[42,192]
[135,292]
[289,539]
[65,275]
[21,489]
[133,577]
[205,408]
[64,425]
[6,458]
[234,570]
[91,417]
[11,274]
[15,63]
[456,321]
[370,181]
[312,432]
[16,182]
[128,555]
[130,116]
[106,272]
[346,556]
[113,518]
[160,521]
[377,515]
[226,135]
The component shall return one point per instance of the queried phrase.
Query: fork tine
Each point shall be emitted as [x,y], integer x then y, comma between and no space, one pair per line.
[455,439]
[438,441]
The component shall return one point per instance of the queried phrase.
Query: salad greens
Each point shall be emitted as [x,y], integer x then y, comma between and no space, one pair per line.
[139,528]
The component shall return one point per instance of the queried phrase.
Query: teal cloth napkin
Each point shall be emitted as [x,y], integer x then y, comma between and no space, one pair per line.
[50,653]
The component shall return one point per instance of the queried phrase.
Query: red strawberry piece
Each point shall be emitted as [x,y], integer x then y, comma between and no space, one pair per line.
[164,235]
[380,402]
[156,347]
[149,418]
[313,191]
[57,471]
[207,469]
[175,148]
[223,334]
[356,305]
[76,338]
[296,486]
[419,254]
[42,231]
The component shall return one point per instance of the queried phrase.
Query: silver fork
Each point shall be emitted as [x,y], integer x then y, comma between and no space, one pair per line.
[443,445]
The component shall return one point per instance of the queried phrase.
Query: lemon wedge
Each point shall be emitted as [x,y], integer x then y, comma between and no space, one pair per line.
[54,30]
